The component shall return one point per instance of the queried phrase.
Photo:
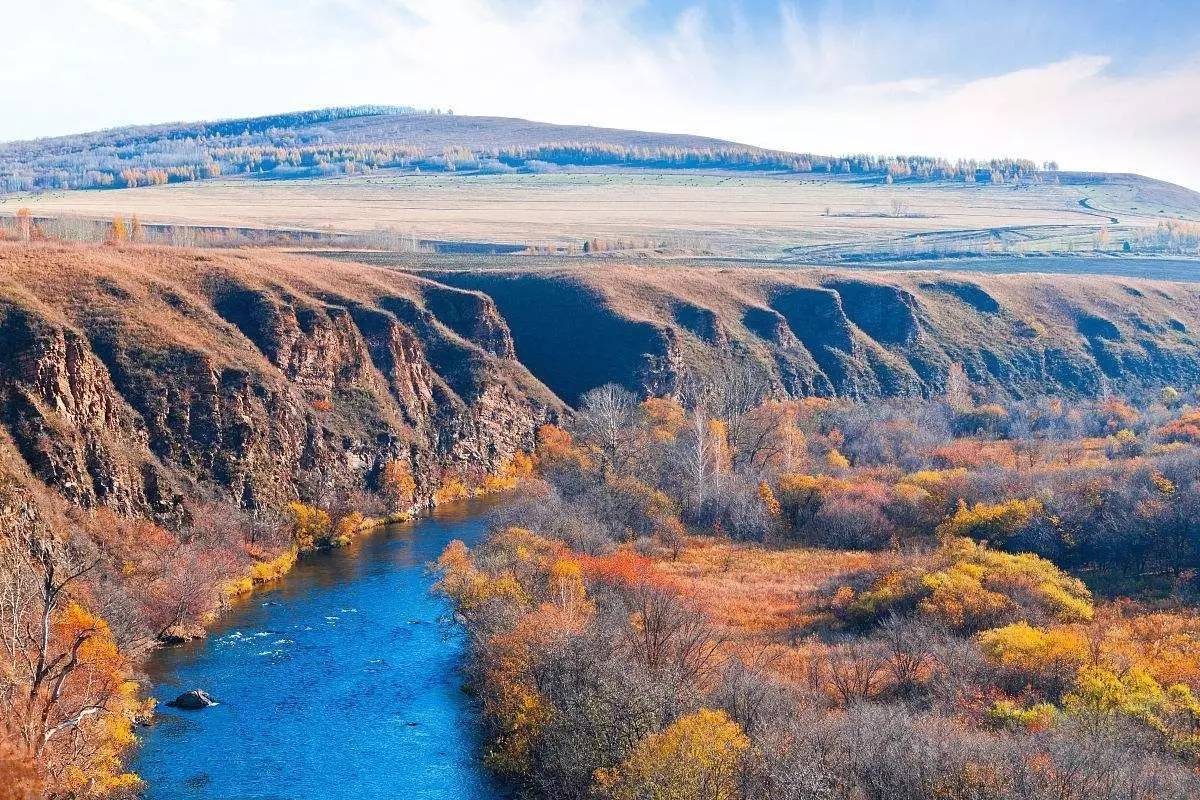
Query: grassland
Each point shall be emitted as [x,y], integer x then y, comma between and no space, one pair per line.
[767,216]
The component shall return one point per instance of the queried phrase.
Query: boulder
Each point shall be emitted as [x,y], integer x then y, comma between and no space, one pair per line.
[194,700]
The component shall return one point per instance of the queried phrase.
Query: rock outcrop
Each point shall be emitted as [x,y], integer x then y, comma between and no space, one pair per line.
[858,334]
[138,379]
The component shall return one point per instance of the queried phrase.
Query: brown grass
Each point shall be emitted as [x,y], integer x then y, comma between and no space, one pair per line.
[687,212]
[757,592]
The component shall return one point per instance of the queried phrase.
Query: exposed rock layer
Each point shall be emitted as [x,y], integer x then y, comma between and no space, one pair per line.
[140,378]
[137,379]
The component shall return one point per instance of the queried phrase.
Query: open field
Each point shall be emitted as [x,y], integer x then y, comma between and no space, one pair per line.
[770,216]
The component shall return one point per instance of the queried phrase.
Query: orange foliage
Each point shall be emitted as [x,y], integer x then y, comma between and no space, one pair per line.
[556,448]
[623,566]
[399,486]
[1184,429]
[976,454]
[665,417]
[511,473]
[768,499]
[452,488]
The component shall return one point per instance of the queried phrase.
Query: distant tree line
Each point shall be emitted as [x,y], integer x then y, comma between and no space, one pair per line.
[295,144]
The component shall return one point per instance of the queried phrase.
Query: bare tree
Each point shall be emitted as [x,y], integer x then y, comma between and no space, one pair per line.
[606,420]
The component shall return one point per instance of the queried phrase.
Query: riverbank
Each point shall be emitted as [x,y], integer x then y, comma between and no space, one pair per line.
[344,654]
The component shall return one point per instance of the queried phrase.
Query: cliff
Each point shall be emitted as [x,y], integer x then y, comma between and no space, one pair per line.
[139,379]
[844,333]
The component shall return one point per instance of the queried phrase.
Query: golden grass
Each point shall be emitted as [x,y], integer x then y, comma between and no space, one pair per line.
[738,214]
[754,592]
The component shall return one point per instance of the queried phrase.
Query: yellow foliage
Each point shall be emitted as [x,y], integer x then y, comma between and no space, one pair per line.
[1006,714]
[1036,652]
[835,461]
[452,489]
[512,472]
[565,584]
[399,486]
[310,525]
[100,672]
[969,586]
[555,447]
[471,588]
[695,758]
[770,503]
[991,522]
[346,528]
[261,573]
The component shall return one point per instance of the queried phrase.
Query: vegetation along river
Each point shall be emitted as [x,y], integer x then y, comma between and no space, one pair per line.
[341,681]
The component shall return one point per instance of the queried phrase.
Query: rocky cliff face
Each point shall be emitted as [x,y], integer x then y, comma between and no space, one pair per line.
[842,333]
[138,379]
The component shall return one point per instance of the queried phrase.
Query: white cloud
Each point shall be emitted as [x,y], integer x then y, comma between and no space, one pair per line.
[813,81]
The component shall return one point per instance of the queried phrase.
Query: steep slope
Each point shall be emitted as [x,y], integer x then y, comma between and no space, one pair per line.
[137,379]
[142,378]
[845,333]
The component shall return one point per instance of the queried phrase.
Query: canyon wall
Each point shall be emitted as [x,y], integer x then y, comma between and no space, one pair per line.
[141,379]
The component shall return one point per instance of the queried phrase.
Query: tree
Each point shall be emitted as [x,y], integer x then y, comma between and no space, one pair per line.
[399,486]
[64,696]
[24,224]
[994,523]
[310,525]
[607,415]
[119,232]
[135,229]
[695,758]
[700,457]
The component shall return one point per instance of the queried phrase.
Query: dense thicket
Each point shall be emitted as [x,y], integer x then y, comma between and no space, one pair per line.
[735,597]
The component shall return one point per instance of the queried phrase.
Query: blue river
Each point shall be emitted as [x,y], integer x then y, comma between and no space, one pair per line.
[341,681]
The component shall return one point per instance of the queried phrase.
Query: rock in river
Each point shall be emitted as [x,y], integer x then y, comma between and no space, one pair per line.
[194,700]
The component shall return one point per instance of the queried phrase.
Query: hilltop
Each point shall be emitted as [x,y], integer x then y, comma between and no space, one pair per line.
[364,138]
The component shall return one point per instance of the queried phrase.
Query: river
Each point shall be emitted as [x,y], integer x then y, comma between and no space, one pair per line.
[338,682]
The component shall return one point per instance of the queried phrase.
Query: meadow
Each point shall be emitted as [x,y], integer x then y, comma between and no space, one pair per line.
[774,216]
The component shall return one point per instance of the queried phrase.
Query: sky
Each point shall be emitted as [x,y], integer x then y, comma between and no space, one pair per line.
[1104,84]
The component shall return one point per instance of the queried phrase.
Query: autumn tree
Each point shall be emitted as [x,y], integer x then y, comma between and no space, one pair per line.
[398,485]
[606,418]
[119,232]
[310,525]
[695,758]
[24,224]
[64,695]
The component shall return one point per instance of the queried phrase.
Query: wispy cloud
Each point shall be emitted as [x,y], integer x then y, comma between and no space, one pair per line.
[817,77]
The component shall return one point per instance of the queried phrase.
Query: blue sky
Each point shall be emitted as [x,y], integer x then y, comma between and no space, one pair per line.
[1106,84]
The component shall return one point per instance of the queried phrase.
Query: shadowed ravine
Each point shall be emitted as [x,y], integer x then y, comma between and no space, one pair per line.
[339,682]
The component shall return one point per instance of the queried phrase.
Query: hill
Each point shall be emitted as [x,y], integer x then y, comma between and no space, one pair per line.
[400,179]
[366,138]
[843,333]
[148,380]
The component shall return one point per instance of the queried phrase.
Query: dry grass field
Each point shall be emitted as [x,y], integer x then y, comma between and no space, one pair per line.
[778,217]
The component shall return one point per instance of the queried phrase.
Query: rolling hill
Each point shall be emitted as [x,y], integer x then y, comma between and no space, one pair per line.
[398,179]
[363,138]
